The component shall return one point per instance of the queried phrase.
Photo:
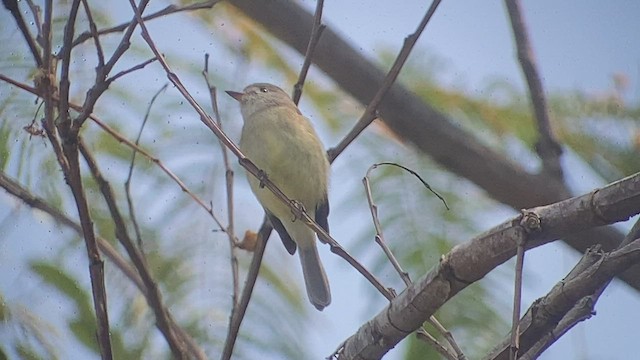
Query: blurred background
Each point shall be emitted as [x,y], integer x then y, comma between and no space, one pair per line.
[464,65]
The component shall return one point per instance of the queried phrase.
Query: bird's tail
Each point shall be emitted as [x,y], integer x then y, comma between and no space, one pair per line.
[315,278]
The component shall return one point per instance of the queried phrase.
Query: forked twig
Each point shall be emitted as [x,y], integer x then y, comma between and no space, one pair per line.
[316,32]
[379,238]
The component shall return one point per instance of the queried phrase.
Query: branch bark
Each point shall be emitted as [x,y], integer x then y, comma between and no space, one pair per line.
[471,261]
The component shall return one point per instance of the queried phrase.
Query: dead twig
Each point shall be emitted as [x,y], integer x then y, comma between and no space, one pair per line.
[370,113]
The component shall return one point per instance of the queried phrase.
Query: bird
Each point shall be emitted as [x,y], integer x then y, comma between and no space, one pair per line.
[282,143]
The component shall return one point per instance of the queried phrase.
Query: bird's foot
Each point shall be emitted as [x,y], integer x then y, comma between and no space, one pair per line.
[297,214]
[263,178]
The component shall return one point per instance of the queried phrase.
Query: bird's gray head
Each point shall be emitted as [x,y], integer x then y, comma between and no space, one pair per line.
[260,96]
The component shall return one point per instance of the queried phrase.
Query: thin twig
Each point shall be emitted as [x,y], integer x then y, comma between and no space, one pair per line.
[239,309]
[517,300]
[96,265]
[229,174]
[239,305]
[101,83]
[171,9]
[127,183]
[547,147]
[94,32]
[12,6]
[583,309]
[370,113]
[247,290]
[316,32]
[379,238]
[130,70]
[35,11]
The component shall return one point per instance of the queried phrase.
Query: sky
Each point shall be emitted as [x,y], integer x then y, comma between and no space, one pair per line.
[577,45]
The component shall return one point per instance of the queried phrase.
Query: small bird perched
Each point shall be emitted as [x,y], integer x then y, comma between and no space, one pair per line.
[283,143]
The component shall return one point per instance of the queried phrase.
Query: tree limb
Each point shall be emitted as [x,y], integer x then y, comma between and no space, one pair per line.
[471,261]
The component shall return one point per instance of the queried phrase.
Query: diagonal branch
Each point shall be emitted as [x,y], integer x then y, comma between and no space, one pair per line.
[547,147]
[550,317]
[471,261]
[371,112]
[316,32]
[12,6]
[171,9]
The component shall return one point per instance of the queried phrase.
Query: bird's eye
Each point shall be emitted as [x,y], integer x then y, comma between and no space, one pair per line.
[264,89]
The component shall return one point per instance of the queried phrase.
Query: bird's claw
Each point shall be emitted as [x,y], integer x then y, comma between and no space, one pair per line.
[262,177]
[300,209]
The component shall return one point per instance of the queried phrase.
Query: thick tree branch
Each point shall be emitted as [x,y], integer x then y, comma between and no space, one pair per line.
[548,318]
[471,261]
[546,313]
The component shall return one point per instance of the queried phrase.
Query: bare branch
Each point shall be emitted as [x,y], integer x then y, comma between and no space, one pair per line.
[371,112]
[421,333]
[471,261]
[171,9]
[546,314]
[101,83]
[164,319]
[316,32]
[67,156]
[247,290]
[94,33]
[517,301]
[96,265]
[541,329]
[547,147]
[12,6]
[130,70]
[64,122]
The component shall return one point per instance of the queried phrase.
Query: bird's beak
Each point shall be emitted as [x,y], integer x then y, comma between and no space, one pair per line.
[236,95]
